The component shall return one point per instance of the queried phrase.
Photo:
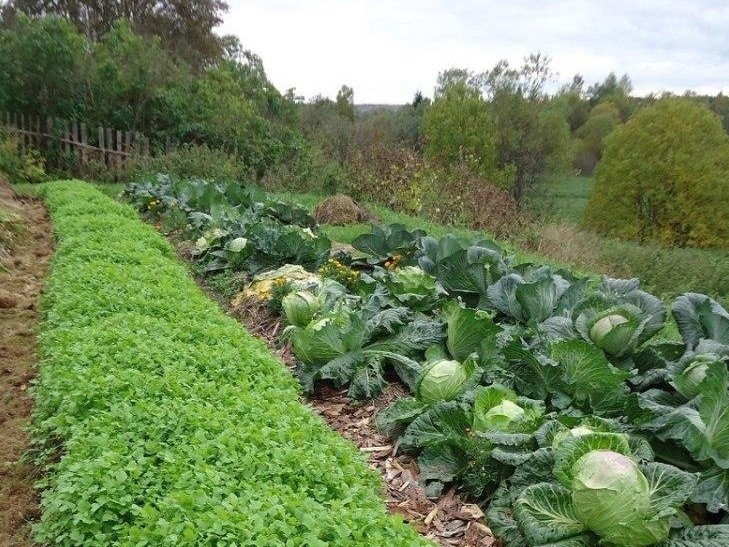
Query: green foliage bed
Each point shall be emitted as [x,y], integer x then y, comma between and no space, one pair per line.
[159,421]
[549,398]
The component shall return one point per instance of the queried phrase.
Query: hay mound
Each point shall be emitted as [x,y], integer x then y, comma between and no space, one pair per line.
[341,210]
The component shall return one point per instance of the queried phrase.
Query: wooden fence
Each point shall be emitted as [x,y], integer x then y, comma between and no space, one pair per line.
[67,142]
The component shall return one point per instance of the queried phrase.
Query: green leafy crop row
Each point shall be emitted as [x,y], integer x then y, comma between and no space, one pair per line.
[159,421]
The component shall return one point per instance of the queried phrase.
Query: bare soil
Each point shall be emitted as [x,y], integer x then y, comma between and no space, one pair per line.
[22,275]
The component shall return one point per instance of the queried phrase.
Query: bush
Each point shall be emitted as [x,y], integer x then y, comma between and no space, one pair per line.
[176,427]
[188,161]
[458,197]
[20,166]
[664,178]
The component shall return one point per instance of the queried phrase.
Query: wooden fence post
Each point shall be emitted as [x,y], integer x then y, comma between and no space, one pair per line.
[84,143]
[109,154]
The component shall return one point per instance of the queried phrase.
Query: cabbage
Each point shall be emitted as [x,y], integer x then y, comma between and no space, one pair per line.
[300,307]
[578,431]
[413,287]
[688,381]
[237,245]
[442,380]
[612,497]
[608,335]
[603,326]
[501,415]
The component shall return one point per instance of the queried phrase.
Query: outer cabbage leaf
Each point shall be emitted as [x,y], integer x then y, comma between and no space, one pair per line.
[444,423]
[466,329]
[545,515]
[716,535]
[590,377]
[699,316]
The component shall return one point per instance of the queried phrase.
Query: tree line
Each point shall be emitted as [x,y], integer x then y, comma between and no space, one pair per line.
[488,138]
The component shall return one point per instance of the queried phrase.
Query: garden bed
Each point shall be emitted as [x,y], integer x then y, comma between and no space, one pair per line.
[510,382]
[160,421]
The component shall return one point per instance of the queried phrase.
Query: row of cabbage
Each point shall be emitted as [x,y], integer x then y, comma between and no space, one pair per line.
[551,399]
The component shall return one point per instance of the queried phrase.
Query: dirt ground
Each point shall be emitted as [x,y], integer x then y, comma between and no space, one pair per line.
[25,262]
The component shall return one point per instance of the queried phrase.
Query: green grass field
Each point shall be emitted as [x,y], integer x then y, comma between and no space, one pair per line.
[564,197]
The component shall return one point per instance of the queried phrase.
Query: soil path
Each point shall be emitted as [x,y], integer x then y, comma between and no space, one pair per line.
[22,273]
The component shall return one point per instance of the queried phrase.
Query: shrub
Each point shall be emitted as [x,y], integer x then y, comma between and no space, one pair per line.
[459,127]
[20,166]
[188,161]
[664,178]
[459,197]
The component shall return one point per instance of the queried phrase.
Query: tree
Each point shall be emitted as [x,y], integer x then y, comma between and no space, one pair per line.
[603,119]
[41,68]
[453,77]
[127,79]
[664,178]
[459,128]
[185,27]
[345,102]
[532,133]
[615,90]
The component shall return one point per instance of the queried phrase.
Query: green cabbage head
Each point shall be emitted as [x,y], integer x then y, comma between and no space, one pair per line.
[611,496]
[501,415]
[299,307]
[688,381]
[609,325]
[442,380]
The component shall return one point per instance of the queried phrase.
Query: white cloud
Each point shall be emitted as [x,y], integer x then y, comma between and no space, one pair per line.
[388,50]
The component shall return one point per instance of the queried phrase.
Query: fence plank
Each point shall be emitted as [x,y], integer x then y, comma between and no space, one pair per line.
[84,143]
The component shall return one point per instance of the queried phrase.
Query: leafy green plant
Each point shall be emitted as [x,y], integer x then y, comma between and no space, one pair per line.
[413,288]
[350,347]
[619,317]
[159,420]
[392,242]
[463,269]
[604,495]
[299,307]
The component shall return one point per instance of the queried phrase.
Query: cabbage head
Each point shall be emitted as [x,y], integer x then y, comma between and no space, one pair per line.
[442,380]
[609,325]
[688,381]
[501,415]
[299,307]
[237,245]
[612,497]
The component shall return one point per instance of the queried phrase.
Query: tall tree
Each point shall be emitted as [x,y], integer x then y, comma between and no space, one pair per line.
[184,26]
[532,134]
[459,129]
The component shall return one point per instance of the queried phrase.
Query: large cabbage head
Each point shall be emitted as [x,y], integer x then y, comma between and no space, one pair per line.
[611,497]
[442,380]
[612,333]
[689,380]
[299,307]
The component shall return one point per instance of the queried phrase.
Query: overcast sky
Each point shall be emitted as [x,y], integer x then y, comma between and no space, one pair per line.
[386,50]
